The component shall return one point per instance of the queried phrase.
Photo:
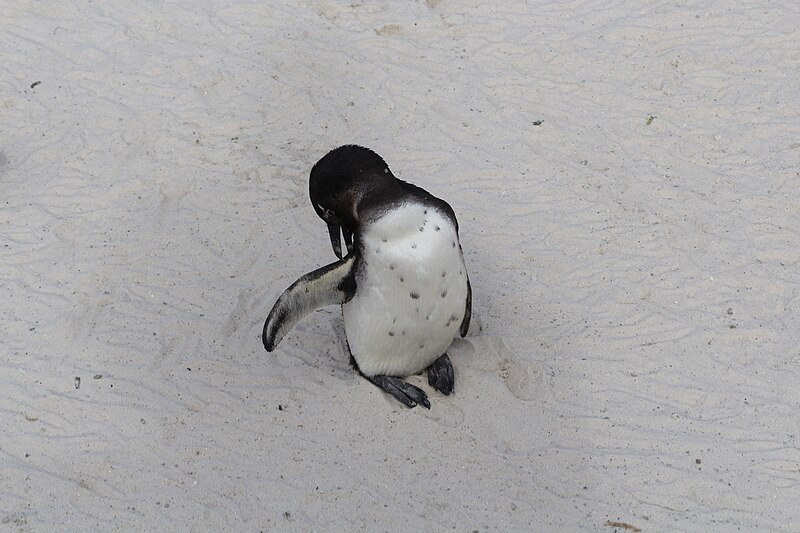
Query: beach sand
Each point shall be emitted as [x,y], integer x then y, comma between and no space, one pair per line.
[626,181]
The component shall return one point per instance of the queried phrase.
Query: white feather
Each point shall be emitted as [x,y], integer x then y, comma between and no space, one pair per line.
[411,292]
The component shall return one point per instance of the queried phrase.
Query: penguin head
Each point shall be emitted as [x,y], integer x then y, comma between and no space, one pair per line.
[338,183]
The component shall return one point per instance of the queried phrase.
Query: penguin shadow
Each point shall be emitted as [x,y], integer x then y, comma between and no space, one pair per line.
[314,347]
[310,346]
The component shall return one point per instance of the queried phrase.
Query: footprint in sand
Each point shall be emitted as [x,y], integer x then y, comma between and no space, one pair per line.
[524,379]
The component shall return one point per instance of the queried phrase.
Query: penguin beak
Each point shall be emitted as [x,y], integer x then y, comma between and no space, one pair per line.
[334,231]
[348,239]
[336,240]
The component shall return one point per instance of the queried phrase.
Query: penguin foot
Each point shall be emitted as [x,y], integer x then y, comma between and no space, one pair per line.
[440,375]
[407,394]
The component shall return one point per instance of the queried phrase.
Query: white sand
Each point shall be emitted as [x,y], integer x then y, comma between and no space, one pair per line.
[635,351]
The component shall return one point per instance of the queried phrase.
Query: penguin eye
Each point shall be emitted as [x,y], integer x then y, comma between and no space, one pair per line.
[325,212]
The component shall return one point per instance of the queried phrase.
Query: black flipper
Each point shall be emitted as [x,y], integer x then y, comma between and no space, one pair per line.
[329,285]
[441,376]
[462,330]
[406,393]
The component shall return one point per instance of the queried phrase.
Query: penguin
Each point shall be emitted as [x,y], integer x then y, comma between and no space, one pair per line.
[402,284]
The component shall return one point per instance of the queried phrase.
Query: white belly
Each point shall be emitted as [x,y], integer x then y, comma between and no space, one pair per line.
[411,294]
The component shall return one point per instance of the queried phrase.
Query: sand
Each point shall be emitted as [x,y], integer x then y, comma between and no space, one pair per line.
[626,180]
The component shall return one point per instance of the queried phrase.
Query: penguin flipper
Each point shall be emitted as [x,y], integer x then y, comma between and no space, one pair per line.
[329,285]
[462,330]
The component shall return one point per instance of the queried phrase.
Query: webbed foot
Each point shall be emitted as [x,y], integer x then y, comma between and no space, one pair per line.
[440,375]
[407,394]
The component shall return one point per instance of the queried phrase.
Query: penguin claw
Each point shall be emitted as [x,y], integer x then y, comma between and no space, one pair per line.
[406,393]
[441,376]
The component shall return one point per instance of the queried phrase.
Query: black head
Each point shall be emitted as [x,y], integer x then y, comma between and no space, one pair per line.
[337,184]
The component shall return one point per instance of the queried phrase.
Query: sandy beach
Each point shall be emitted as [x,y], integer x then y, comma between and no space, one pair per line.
[626,180]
